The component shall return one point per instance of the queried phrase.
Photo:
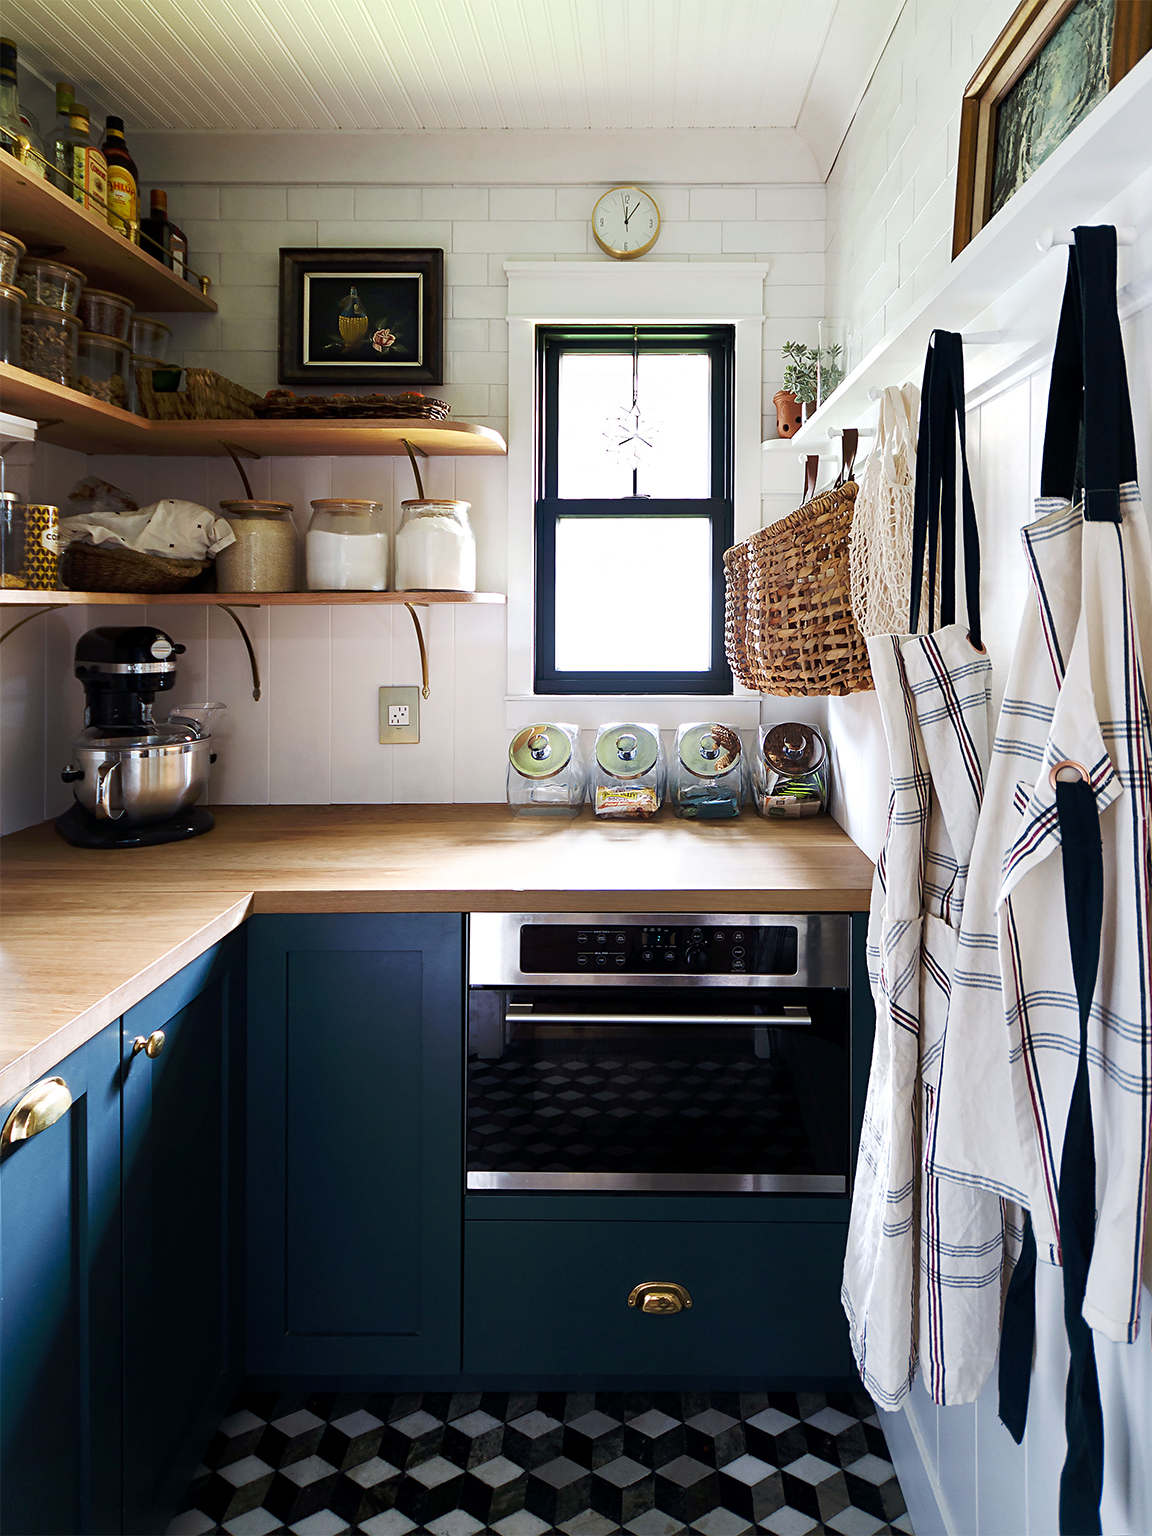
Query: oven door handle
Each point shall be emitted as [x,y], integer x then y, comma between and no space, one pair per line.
[526,1013]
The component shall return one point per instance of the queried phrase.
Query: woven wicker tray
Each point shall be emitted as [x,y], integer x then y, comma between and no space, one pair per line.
[283,404]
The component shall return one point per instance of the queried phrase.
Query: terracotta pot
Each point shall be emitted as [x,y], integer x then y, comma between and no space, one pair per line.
[789,412]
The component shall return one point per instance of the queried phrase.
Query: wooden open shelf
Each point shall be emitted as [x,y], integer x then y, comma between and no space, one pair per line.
[48,221]
[72,420]
[19,597]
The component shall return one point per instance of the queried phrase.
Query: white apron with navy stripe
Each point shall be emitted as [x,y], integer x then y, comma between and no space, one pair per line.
[922,1271]
[1076,691]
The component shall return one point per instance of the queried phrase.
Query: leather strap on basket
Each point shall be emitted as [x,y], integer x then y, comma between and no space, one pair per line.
[849,444]
[942,425]
[811,475]
[1088,403]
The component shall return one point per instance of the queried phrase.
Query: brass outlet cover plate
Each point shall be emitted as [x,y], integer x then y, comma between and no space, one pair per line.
[393,700]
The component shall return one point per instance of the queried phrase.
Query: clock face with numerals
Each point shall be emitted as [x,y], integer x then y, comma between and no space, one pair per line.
[626,222]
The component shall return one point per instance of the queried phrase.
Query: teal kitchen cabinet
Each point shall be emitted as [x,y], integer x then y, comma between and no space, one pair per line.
[183,1225]
[60,1413]
[355,1066]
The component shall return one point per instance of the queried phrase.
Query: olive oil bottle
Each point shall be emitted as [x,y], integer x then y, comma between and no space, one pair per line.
[123,180]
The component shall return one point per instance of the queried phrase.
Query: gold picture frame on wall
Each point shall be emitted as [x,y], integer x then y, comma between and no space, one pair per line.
[1053,62]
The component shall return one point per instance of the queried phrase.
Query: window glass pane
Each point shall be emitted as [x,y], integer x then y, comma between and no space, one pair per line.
[665,439]
[633,594]
[673,392]
[595,388]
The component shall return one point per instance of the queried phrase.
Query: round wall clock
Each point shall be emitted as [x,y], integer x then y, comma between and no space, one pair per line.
[626,222]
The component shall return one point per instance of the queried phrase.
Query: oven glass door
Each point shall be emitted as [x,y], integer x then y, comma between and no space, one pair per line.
[622,1089]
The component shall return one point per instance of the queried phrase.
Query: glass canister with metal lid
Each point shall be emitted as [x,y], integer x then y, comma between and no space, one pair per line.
[628,774]
[706,780]
[546,776]
[791,771]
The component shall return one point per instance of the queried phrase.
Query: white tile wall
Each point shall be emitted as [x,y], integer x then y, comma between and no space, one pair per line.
[313,735]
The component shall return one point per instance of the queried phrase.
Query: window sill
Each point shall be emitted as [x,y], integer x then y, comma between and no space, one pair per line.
[666,710]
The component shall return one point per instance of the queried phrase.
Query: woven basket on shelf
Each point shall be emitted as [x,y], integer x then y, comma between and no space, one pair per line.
[789,626]
[208,396]
[102,568]
[283,404]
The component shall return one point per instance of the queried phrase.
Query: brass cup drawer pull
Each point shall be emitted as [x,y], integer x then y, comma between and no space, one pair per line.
[152,1046]
[662,1297]
[40,1107]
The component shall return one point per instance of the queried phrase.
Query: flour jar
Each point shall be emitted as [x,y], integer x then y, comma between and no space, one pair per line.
[346,546]
[435,548]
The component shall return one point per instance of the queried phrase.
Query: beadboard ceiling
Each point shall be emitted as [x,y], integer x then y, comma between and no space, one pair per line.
[411,65]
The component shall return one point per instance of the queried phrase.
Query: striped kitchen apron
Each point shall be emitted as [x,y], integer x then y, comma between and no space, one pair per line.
[922,1269]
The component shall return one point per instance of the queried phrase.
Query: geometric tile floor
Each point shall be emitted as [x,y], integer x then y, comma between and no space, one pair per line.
[525,1463]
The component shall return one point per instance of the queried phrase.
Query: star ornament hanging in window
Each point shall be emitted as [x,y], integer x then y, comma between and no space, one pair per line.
[631,436]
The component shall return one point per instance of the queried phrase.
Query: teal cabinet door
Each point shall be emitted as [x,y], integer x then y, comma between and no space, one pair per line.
[182,1189]
[355,1073]
[551,1299]
[59,1308]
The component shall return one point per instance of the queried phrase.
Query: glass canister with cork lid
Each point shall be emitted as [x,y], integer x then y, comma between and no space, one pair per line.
[707,781]
[546,776]
[628,773]
[263,558]
[791,771]
[435,547]
[346,546]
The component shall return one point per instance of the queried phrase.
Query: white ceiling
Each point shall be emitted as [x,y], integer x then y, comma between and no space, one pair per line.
[411,65]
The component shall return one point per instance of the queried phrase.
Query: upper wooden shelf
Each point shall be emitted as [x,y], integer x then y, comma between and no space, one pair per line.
[24,597]
[73,420]
[44,217]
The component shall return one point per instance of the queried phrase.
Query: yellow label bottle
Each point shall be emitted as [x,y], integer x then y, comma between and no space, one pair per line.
[123,181]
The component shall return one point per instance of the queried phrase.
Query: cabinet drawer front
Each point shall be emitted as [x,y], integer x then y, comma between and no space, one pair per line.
[551,1298]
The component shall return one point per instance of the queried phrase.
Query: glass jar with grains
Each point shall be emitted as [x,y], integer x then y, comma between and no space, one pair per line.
[263,558]
[48,342]
[102,368]
[11,311]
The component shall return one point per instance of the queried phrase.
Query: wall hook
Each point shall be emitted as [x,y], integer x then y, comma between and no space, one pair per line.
[248,646]
[1048,237]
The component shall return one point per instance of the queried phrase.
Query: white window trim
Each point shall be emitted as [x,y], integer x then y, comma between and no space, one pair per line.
[599,292]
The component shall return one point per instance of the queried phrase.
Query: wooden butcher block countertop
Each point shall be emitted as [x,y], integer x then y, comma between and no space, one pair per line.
[86,934]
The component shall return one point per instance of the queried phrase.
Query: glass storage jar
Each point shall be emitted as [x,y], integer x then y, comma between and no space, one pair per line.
[11,253]
[263,558]
[11,540]
[139,360]
[102,365]
[150,338]
[11,306]
[706,781]
[51,283]
[48,343]
[791,771]
[546,776]
[435,547]
[107,314]
[628,772]
[346,546]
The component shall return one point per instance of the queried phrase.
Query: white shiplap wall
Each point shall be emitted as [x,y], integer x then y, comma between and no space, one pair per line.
[312,738]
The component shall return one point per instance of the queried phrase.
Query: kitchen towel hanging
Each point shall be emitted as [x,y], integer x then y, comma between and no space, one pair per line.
[920,1287]
[788,625]
[1076,690]
[880,558]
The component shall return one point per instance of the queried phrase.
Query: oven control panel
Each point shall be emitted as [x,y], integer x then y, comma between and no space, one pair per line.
[633,949]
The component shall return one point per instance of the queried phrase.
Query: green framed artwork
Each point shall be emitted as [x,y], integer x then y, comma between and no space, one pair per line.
[1053,62]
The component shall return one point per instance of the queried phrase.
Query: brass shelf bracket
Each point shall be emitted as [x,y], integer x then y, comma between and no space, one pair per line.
[39,614]
[423,651]
[247,643]
[234,450]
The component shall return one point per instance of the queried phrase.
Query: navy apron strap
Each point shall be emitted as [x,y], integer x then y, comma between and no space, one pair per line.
[1082,1478]
[942,426]
[1089,387]
[1017,1337]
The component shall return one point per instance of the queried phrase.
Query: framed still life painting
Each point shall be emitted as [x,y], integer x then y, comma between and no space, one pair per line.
[1053,62]
[361,316]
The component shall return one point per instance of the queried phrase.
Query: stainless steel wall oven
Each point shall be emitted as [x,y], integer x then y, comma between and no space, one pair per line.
[658,1052]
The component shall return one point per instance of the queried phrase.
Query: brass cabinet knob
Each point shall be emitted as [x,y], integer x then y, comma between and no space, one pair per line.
[152,1046]
[40,1107]
[660,1296]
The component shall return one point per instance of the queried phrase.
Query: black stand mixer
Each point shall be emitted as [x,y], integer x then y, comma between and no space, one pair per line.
[136,780]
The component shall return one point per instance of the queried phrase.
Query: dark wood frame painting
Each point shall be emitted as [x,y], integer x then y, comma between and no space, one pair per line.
[1024,38]
[419,278]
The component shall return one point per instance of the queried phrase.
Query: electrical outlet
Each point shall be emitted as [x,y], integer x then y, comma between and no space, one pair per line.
[399,716]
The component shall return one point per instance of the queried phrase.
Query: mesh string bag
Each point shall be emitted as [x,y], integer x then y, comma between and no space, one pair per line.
[880,555]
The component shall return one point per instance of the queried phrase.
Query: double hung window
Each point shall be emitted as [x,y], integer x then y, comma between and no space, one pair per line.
[634,508]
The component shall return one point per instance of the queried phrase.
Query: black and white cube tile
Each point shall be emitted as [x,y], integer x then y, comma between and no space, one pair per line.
[525,1463]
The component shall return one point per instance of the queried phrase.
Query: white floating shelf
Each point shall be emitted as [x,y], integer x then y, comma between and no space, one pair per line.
[1001,283]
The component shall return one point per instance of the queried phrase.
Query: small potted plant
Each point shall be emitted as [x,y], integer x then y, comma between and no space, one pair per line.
[796,399]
